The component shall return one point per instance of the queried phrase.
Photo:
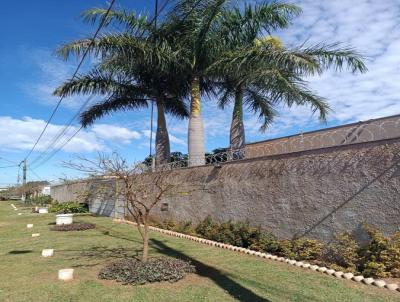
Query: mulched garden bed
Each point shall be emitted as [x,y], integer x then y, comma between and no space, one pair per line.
[133,271]
[73,227]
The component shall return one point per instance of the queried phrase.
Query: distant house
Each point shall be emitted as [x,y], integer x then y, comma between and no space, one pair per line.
[46,190]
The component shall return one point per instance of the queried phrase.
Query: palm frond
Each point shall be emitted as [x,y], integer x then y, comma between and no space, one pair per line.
[132,22]
[110,105]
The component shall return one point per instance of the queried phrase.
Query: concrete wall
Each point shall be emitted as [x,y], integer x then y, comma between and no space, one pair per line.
[315,193]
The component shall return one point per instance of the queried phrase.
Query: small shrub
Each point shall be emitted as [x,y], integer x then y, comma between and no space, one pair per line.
[392,256]
[265,242]
[73,227]
[67,208]
[343,252]
[133,271]
[374,269]
[206,228]
[41,200]
[307,249]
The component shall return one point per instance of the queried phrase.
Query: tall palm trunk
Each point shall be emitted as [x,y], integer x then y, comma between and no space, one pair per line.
[196,127]
[237,134]
[162,138]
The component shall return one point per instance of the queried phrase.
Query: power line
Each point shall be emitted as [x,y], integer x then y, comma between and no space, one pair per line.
[10,161]
[55,151]
[74,75]
[5,167]
[62,132]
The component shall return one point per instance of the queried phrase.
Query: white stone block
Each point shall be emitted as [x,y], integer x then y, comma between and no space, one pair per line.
[36,235]
[47,252]
[379,283]
[66,274]
[64,219]
[348,276]
[338,274]
[322,269]
[29,226]
[314,267]
[19,214]
[330,272]
[43,210]
[358,278]
[392,286]
[368,280]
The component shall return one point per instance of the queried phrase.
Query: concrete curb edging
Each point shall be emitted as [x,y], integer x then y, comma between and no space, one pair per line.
[316,268]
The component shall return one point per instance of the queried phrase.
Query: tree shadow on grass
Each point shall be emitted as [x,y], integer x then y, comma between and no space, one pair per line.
[233,288]
[19,252]
[98,255]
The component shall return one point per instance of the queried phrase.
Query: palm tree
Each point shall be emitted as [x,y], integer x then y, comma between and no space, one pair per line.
[261,73]
[193,25]
[134,68]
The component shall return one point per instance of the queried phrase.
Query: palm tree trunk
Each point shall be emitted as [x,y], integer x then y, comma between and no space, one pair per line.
[237,133]
[196,127]
[162,138]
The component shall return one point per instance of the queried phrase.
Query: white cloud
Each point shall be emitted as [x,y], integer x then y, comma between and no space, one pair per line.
[115,133]
[52,72]
[372,27]
[172,138]
[21,134]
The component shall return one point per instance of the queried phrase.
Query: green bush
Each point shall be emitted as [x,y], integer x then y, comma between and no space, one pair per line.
[374,269]
[172,225]
[266,242]
[343,252]
[41,200]
[306,249]
[206,228]
[392,256]
[133,271]
[67,208]
[380,257]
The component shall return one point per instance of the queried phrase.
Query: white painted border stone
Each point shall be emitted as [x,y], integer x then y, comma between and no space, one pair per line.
[29,226]
[47,253]
[331,272]
[36,235]
[66,274]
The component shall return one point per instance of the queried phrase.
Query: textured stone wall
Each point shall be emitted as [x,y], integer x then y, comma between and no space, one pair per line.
[315,193]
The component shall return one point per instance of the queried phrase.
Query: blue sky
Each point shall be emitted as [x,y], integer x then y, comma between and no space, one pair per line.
[29,72]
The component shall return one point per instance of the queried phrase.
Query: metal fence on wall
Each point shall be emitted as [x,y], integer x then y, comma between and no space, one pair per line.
[361,132]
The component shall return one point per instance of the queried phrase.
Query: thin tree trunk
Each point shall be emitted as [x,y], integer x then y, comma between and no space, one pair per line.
[145,255]
[162,138]
[237,133]
[196,127]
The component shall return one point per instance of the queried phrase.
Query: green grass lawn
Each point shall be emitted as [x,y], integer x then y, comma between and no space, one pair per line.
[222,275]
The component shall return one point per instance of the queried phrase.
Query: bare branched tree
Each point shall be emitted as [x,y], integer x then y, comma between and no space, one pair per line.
[141,191]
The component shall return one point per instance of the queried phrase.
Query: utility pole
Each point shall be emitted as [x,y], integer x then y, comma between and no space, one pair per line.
[152,157]
[23,198]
